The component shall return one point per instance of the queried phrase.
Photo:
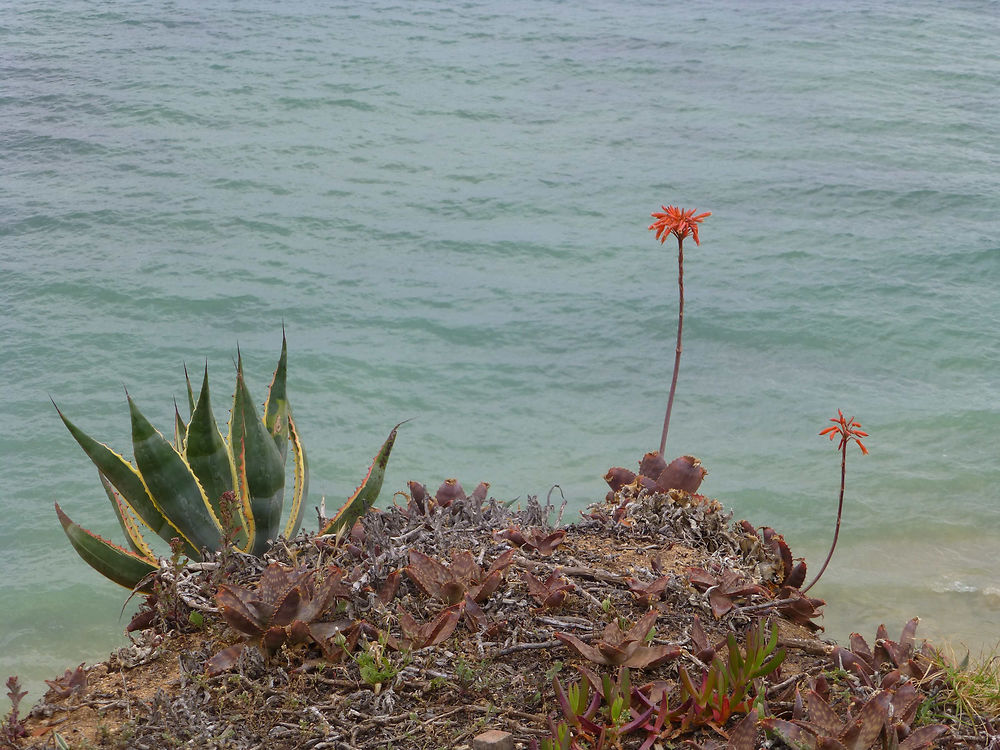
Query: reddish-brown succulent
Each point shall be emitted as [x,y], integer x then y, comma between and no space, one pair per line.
[449,491]
[617,648]
[683,473]
[550,593]
[284,608]
[534,539]
[451,583]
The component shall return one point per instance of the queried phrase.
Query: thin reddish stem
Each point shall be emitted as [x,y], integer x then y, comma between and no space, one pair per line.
[840,510]
[677,355]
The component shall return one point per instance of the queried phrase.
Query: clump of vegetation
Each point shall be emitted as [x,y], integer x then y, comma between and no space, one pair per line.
[284,607]
[620,647]
[462,578]
[12,729]
[964,692]
[727,688]
[884,721]
[176,488]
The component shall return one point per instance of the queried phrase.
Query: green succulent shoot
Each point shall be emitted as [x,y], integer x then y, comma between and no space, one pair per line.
[174,488]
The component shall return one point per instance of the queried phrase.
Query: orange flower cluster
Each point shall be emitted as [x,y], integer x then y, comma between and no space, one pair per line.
[848,430]
[678,222]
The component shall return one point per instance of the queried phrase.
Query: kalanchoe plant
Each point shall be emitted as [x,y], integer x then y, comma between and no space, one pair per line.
[534,539]
[464,577]
[285,607]
[878,724]
[684,474]
[416,635]
[624,648]
[722,589]
[550,593]
[648,593]
[73,681]
[847,430]
[681,224]
[889,661]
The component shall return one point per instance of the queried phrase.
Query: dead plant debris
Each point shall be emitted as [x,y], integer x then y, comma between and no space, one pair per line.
[441,621]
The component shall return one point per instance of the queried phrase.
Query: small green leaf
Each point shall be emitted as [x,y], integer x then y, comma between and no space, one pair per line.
[367,492]
[111,561]
[196,618]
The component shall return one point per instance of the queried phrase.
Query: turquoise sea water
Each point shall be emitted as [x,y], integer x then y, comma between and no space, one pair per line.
[446,205]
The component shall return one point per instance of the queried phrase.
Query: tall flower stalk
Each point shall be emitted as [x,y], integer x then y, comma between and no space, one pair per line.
[681,224]
[847,430]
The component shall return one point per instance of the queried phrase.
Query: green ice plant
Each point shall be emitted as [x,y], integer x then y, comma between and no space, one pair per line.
[174,488]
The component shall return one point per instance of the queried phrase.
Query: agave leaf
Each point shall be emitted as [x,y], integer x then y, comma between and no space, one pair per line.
[172,485]
[301,489]
[190,392]
[125,519]
[208,455]
[111,561]
[277,410]
[262,467]
[127,480]
[367,492]
[180,430]
[243,497]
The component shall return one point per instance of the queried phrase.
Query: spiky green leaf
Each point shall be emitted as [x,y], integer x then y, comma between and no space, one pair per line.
[190,392]
[180,429]
[277,410]
[111,561]
[208,454]
[172,484]
[367,492]
[301,489]
[126,479]
[125,519]
[263,471]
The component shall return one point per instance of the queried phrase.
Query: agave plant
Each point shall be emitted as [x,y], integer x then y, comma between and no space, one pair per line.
[175,488]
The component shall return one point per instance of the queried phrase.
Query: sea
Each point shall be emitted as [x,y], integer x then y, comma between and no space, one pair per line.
[444,206]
